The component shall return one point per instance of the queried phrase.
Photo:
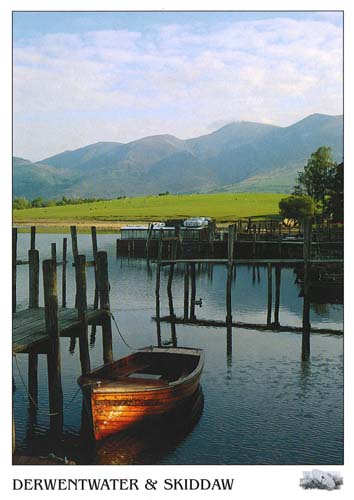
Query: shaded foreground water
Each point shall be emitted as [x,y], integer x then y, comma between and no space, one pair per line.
[259,404]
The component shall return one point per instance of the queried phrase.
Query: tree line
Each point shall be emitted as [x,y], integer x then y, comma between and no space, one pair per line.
[319,189]
[21,202]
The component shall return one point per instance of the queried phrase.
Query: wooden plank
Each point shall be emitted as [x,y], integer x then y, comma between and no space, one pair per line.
[247,326]
[29,331]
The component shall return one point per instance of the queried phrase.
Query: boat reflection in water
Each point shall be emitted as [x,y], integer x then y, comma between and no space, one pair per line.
[147,442]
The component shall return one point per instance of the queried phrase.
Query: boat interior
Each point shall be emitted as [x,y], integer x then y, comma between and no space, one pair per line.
[148,368]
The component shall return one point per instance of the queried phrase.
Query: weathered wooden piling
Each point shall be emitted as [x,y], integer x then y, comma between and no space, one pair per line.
[53,249]
[63,271]
[277,295]
[306,325]
[270,287]
[157,289]
[74,244]
[14,264]
[186,291]
[94,253]
[33,238]
[280,239]
[103,291]
[33,381]
[230,253]
[81,295]
[33,262]
[254,244]
[52,330]
[193,292]
[148,240]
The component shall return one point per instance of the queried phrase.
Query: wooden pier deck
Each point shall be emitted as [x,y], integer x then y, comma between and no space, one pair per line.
[29,329]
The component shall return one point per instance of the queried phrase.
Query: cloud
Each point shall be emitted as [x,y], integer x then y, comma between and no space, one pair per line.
[183,77]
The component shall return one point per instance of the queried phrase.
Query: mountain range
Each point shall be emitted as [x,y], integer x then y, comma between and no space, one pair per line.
[241,156]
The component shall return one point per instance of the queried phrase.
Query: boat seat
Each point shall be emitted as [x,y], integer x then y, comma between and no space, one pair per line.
[126,381]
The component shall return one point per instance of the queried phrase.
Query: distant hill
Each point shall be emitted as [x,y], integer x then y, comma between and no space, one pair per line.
[241,156]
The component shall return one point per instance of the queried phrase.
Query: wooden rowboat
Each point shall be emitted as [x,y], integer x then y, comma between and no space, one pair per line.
[146,384]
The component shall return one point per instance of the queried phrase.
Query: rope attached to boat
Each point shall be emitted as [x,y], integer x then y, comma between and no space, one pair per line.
[121,335]
[48,414]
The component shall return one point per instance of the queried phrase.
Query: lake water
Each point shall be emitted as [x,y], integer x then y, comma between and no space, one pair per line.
[262,405]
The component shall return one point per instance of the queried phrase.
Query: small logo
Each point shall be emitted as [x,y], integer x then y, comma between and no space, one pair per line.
[322,480]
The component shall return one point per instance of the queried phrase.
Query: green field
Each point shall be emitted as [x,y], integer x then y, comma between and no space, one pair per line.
[224,207]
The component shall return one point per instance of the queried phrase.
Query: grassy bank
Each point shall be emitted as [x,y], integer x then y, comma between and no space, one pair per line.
[111,214]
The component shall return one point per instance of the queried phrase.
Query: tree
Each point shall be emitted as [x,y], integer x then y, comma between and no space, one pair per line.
[335,202]
[38,202]
[21,203]
[315,180]
[296,207]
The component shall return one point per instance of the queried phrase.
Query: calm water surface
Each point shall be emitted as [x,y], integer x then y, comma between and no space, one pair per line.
[262,405]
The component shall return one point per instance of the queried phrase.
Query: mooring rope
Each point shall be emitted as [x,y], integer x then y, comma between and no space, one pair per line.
[48,414]
[121,335]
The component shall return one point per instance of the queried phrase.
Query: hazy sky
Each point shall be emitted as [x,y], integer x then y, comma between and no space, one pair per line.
[81,78]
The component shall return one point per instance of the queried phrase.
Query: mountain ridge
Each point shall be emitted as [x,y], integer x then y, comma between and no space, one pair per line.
[212,162]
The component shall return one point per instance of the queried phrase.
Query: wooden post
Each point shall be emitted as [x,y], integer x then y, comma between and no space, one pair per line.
[269,310]
[170,306]
[254,251]
[81,294]
[75,250]
[157,288]
[193,292]
[63,275]
[33,382]
[52,330]
[186,291]
[306,325]
[94,252]
[74,242]
[230,253]
[14,260]
[280,239]
[277,295]
[33,238]
[103,290]
[54,251]
[148,240]
[33,262]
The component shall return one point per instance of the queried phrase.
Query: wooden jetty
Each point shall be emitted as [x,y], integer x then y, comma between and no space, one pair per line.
[266,239]
[272,315]
[37,330]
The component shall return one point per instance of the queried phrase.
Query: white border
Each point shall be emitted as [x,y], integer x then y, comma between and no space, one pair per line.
[276,481]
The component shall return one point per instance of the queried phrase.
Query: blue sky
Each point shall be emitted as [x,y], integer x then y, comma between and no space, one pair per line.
[86,77]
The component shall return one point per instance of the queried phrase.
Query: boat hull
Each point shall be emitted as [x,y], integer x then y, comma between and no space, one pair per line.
[116,407]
